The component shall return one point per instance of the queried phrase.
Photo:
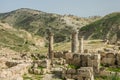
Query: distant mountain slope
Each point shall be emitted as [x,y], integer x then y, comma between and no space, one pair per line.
[38,22]
[106,28]
[18,40]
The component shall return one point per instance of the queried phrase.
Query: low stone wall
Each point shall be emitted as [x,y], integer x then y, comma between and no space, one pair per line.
[110,59]
[81,60]
[14,73]
[12,63]
[118,59]
[84,73]
[61,54]
[42,63]
[58,54]
[85,60]
[40,67]
[108,73]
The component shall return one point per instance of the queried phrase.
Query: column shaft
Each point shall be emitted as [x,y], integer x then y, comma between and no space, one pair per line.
[75,43]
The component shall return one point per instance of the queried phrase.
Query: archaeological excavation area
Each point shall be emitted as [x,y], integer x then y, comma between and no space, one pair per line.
[79,63]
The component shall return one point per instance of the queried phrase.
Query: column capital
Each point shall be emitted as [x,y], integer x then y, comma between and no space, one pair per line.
[51,34]
[74,31]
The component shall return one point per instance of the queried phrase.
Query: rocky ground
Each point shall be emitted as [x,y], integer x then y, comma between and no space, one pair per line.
[9,56]
[54,75]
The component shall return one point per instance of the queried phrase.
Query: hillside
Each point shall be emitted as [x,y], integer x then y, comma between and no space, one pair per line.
[106,28]
[18,40]
[38,22]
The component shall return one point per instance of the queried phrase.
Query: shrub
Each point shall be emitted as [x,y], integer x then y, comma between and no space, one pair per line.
[72,66]
[3,21]
[113,77]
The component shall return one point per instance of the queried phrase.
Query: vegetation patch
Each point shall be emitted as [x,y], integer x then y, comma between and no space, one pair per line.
[113,69]
[112,77]
[106,27]
[72,66]
[40,67]
[94,42]
[32,77]
[26,77]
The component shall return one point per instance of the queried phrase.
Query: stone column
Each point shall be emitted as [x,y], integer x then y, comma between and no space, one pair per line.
[75,43]
[81,44]
[50,48]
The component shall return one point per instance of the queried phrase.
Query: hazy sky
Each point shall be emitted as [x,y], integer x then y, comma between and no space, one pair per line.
[83,8]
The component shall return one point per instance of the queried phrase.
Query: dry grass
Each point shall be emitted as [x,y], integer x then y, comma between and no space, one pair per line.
[88,44]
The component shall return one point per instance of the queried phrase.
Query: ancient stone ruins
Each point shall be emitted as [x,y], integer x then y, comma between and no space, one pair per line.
[77,64]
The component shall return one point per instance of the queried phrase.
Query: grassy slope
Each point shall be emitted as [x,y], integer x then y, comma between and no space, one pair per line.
[14,39]
[107,27]
[38,22]
[65,46]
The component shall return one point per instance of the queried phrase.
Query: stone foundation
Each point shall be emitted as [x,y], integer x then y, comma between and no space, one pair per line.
[14,73]
[84,73]
[86,60]
[40,67]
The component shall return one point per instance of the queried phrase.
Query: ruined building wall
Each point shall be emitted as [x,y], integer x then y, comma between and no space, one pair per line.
[86,60]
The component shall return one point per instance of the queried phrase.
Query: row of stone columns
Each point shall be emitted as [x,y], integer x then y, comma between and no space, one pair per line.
[76,45]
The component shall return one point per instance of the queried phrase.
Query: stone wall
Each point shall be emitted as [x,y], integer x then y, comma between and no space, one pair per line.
[81,60]
[118,59]
[12,63]
[85,60]
[62,54]
[108,73]
[42,63]
[110,59]
[84,73]
[58,54]
[40,67]
[14,73]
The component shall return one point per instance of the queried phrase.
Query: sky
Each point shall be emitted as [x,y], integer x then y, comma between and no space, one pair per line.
[82,8]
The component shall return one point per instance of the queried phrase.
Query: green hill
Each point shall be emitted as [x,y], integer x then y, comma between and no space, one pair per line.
[37,22]
[106,28]
[18,40]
